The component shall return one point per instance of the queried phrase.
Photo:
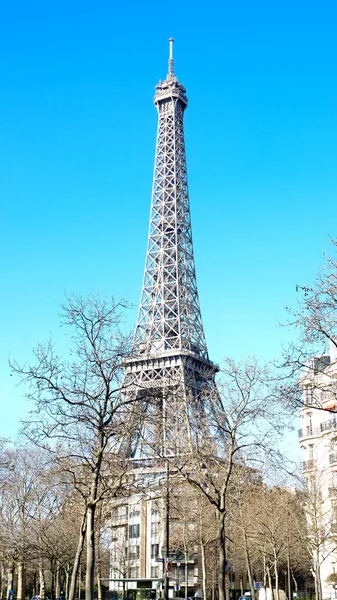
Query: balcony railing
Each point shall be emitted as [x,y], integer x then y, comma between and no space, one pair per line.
[328,425]
[309,465]
[118,521]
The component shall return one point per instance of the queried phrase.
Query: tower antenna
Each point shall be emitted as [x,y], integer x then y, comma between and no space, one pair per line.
[171,61]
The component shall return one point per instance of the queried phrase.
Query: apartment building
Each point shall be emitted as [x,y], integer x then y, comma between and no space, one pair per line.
[318,439]
[138,541]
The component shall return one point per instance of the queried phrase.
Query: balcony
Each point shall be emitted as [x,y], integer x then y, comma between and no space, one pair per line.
[118,520]
[309,465]
[328,425]
[305,432]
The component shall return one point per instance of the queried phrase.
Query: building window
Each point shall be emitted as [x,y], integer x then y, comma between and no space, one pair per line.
[134,531]
[154,550]
[134,553]
[122,512]
[311,452]
[308,396]
[155,528]
[134,572]
[154,571]
[309,424]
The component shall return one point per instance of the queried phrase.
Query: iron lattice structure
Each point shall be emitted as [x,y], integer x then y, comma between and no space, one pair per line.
[169,348]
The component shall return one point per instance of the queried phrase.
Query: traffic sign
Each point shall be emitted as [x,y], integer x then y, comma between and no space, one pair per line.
[257,585]
[169,566]
[177,587]
[158,559]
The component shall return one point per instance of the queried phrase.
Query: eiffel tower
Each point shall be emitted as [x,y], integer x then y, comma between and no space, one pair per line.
[169,366]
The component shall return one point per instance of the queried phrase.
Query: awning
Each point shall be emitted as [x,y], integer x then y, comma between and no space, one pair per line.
[330,405]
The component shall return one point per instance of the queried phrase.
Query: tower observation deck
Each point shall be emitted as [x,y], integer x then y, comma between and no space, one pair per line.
[169,346]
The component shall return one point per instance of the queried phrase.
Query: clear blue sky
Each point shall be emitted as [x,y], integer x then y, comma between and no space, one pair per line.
[77,141]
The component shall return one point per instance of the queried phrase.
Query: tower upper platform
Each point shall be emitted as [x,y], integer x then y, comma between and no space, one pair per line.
[170,87]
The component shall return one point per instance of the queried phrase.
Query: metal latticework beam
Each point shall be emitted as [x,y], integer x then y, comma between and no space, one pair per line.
[169,369]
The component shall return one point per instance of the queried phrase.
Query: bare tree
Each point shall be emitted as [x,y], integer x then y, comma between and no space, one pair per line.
[244,509]
[319,535]
[80,412]
[269,529]
[18,510]
[233,433]
[311,385]
[312,356]
[191,526]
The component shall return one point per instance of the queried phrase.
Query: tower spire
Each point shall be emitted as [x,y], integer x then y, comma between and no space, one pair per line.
[171,61]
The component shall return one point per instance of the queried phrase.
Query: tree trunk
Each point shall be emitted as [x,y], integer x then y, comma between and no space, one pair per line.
[317,573]
[276,580]
[99,585]
[67,581]
[222,554]
[295,581]
[203,569]
[10,577]
[319,584]
[269,578]
[90,537]
[316,586]
[52,580]
[42,581]
[186,573]
[288,571]
[249,567]
[77,559]
[2,591]
[21,581]
[264,573]
[98,560]
[57,580]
